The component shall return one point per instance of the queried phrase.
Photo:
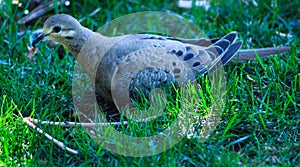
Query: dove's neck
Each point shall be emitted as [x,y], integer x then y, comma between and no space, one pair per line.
[79,39]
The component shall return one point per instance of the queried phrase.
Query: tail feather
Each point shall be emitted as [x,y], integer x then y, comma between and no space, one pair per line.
[232,51]
[250,54]
[222,51]
[231,36]
[223,45]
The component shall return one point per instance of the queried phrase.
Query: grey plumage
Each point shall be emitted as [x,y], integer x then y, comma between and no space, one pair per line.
[103,57]
[197,58]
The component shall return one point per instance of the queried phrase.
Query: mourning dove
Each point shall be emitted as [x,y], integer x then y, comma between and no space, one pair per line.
[102,56]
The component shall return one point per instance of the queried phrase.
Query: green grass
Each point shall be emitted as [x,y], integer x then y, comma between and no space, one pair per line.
[260,120]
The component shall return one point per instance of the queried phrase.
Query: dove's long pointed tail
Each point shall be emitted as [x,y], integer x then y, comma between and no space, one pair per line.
[250,54]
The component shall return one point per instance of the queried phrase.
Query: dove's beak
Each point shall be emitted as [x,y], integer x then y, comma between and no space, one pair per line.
[39,38]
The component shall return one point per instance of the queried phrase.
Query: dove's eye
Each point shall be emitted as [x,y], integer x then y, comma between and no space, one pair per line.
[56,29]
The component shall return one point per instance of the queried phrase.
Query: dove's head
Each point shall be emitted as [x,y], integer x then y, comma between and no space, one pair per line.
[66,30]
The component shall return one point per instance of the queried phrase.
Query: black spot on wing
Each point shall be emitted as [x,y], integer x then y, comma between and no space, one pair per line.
[196,64]
[188,56]
[188,48]
[179,53]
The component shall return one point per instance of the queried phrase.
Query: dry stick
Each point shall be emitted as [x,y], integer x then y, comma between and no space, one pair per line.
[91,14]
[39,11]
[57,142]
[73,124]
[31,122]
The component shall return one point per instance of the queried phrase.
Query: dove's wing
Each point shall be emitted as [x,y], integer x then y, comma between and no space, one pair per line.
[197,58]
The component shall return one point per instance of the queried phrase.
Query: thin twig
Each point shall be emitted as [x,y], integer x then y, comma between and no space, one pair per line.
[73,124]
[57,142]
[91,14]
[40,10]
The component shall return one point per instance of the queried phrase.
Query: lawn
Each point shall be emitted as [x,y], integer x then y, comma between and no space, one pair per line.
[260,121]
